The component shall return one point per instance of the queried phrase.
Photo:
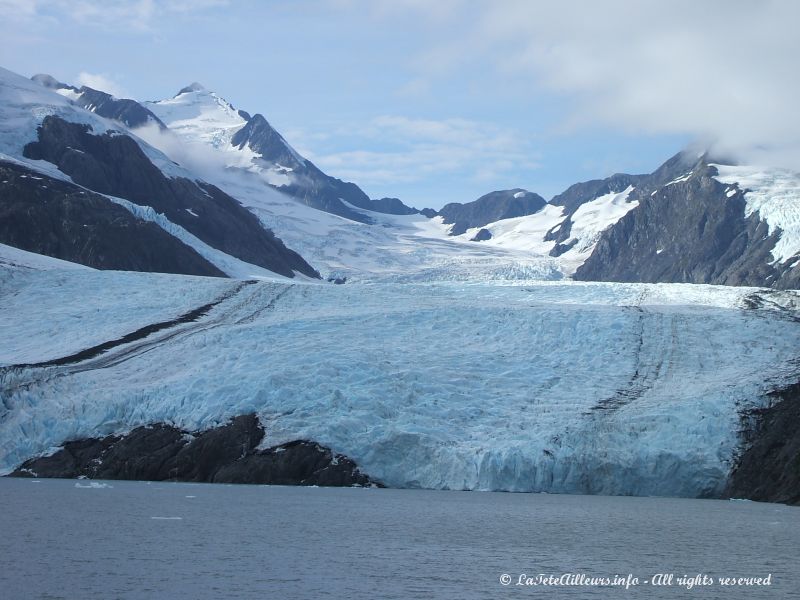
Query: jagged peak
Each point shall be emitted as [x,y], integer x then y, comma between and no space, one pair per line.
[259,119]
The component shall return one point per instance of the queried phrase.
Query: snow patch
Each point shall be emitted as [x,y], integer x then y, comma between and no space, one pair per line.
[226,263]
[592,218]
[775,195]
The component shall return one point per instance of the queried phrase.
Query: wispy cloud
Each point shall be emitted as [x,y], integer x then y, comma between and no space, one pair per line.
[101,82]
[129,15]
[401,149]
[18,10]
[721,70]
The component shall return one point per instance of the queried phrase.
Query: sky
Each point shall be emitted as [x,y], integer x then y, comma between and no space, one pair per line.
[444,101]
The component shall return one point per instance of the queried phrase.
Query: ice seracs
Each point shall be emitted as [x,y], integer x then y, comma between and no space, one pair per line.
[545,386]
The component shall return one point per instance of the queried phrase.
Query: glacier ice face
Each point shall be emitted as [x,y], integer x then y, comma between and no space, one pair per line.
[546,386]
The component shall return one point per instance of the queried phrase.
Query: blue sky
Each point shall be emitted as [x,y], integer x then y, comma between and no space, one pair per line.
[445,101]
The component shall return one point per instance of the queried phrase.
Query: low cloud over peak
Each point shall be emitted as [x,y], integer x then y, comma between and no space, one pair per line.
[722,71]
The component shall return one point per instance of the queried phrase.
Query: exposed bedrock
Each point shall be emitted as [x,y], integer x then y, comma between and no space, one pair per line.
[116,165]
[226,454]
[769,468]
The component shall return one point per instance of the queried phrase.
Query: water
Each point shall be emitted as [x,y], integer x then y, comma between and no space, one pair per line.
[166,540]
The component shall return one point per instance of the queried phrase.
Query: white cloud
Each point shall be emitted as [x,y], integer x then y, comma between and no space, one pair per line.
[418,149]
[17,10]
[102,83]
[196,156]
[722,70]
[137,15]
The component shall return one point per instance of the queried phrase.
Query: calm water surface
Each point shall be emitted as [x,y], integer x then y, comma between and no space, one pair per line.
[168,540]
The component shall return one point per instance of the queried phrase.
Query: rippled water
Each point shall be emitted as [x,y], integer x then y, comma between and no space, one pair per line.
[166,540]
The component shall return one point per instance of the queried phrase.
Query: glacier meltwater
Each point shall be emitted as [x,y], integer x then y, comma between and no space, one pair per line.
[521,386]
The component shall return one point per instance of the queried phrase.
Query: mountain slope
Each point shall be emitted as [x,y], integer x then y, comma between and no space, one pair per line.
[491,207]
[603,193]
[250,143]
[55,218]
[392,206]
[52,135]
[116,165]
[568,233]
[129,112]
[700,222]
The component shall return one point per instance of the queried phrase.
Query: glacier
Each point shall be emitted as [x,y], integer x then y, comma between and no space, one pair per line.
[443,363]
[517,385]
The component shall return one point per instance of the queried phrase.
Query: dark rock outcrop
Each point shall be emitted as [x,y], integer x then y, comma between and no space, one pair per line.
[116,165]
[226,454]
[482,235]
[60,219]
[124,110]
[769,468]
[586,191]
[576,196]
[261,137]
[295,463]
[309,185]
[428,212]
[491,207]
[693,230]
[392,206]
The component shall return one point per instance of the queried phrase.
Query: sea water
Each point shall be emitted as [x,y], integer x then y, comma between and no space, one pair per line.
[118,539]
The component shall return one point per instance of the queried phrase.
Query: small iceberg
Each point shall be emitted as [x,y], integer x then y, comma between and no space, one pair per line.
[93,485]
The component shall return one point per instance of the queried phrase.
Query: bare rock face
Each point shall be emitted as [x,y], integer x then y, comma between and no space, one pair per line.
[116,165]
[392,206]
[60,219]
[127,111]
[576,196]
[226,454]
[688,228]
[769,468]
[503,204]
[482,235]
[311,186]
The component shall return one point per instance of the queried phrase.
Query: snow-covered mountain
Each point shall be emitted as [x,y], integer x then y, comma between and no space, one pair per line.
[199,116]
[491,207]
[566,229]
[682,231]
[127,111]
[459,355]
[699,221]
[692,220]
[82,187]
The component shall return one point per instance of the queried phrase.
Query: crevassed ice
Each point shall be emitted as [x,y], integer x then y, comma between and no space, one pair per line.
[559,387]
